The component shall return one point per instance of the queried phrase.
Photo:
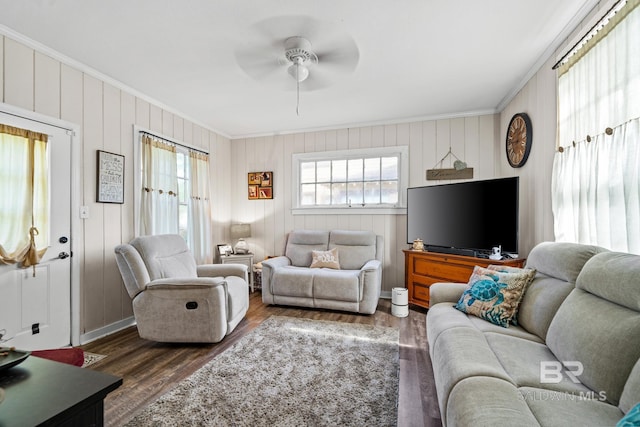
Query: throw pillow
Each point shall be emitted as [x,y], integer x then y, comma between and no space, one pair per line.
[631,419]
[494,295]
[509,269]
[327,259]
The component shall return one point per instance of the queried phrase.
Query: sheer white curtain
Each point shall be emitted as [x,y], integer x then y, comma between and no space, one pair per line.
[199,208]
[24,201]
[159,193]
[595,183]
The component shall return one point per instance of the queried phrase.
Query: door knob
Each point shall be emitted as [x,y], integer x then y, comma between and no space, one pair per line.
[63,255]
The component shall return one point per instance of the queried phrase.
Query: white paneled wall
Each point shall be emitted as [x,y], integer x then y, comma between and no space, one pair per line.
[471,139]
[105,114]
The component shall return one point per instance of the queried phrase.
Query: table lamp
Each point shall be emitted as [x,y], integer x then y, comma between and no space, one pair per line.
[240,232]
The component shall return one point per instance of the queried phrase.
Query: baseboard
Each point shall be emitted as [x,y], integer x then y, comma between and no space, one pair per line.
[107,330]
[385,294]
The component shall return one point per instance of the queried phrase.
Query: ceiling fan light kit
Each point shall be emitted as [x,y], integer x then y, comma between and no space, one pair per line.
[298,53]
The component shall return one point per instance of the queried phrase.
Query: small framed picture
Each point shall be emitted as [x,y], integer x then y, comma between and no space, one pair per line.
[224,249]
[110,178]
[260,185]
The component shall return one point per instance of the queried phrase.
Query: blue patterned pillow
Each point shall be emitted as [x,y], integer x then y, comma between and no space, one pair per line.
[632,419]
[495,295]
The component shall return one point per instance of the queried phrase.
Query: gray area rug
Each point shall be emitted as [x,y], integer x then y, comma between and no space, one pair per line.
[290,372]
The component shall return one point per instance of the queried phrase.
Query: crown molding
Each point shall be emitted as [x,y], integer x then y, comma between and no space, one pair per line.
[550,51]
[446,116]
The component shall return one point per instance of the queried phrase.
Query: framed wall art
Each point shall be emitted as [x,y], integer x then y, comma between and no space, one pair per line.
[260,185]
[110,179]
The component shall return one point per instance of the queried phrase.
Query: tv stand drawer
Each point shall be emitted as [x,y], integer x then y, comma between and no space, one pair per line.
[422,269]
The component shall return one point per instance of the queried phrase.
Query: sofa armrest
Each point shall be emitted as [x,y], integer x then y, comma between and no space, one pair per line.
[269,266]
[186,283]
[223,270]
[371,265]
[370,286]
[445,292]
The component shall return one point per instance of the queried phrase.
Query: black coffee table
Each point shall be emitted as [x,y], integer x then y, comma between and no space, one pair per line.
[43,392]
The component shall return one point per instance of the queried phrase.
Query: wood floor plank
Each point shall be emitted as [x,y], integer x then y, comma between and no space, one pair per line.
[150,369]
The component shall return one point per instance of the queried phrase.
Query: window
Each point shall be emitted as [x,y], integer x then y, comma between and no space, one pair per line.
[173,196]
[595,183]
[351,180]
[24,205]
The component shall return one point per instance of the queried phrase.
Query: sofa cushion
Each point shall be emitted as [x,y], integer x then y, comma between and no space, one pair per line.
[442,317]
[340,285]
[325,259]
[487,401]
[293,281]
[300,243]
[523,360]
[554,408]
[614,277]
[561,260]
[558,265]
[608,360]
[460,353]
[355,247]
[494,295]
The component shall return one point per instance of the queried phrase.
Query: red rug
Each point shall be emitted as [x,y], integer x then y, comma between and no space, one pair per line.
[71,356]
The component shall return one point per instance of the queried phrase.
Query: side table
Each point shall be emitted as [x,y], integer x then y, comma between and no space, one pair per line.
[244,259]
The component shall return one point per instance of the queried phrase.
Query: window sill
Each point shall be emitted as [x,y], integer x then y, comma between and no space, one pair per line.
[349,211]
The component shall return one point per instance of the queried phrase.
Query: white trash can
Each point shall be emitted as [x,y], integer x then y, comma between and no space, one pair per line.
[400,302]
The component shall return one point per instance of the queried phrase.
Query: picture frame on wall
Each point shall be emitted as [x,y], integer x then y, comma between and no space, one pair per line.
[110,177]
[260,185]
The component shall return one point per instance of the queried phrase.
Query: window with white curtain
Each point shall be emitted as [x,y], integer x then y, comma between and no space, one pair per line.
[173,196]
[596,182]
[24,205]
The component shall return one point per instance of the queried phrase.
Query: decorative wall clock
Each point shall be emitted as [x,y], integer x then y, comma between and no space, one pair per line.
[519,138]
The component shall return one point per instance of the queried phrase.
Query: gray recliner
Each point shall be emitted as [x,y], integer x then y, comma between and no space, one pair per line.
[174,300]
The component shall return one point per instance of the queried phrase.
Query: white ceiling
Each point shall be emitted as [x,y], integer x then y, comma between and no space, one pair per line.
[416,58]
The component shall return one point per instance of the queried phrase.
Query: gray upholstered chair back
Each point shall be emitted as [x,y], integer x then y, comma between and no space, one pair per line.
[166,256]
[598,325]
[558,266]
[355,248]
[300,243]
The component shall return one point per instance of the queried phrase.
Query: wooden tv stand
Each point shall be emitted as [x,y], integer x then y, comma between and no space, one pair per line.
[422,269]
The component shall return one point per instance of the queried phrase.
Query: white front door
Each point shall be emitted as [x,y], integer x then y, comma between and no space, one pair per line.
[35,312]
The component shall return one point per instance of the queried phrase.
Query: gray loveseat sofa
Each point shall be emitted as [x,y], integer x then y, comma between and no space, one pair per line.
[582,308]
[289,280]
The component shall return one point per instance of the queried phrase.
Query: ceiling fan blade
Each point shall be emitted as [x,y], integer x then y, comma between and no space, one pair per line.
[258,64]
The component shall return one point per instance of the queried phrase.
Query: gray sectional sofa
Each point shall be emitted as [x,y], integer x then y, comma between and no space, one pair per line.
[582,308]
[355,287]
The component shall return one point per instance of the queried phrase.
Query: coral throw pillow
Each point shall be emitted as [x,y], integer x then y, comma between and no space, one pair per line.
[495,295]
[328,259]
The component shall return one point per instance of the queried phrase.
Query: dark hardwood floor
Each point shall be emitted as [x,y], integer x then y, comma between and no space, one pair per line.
[150,369]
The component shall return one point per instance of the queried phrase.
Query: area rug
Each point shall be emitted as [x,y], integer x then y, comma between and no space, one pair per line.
[290,372]
[91,358]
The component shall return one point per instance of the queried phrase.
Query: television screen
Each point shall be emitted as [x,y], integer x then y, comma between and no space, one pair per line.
[474,215]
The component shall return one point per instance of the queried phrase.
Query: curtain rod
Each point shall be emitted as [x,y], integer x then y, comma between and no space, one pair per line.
[592,31]
[200,150]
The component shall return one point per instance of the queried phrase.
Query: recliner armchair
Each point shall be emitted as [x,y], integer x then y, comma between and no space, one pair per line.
[174,300]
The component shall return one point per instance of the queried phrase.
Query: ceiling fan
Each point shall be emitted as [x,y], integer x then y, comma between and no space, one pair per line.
[279,52]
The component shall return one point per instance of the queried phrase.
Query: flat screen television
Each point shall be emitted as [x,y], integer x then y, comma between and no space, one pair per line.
[467,218]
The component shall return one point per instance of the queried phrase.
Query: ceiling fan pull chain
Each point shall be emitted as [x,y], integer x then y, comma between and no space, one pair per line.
[297,90]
